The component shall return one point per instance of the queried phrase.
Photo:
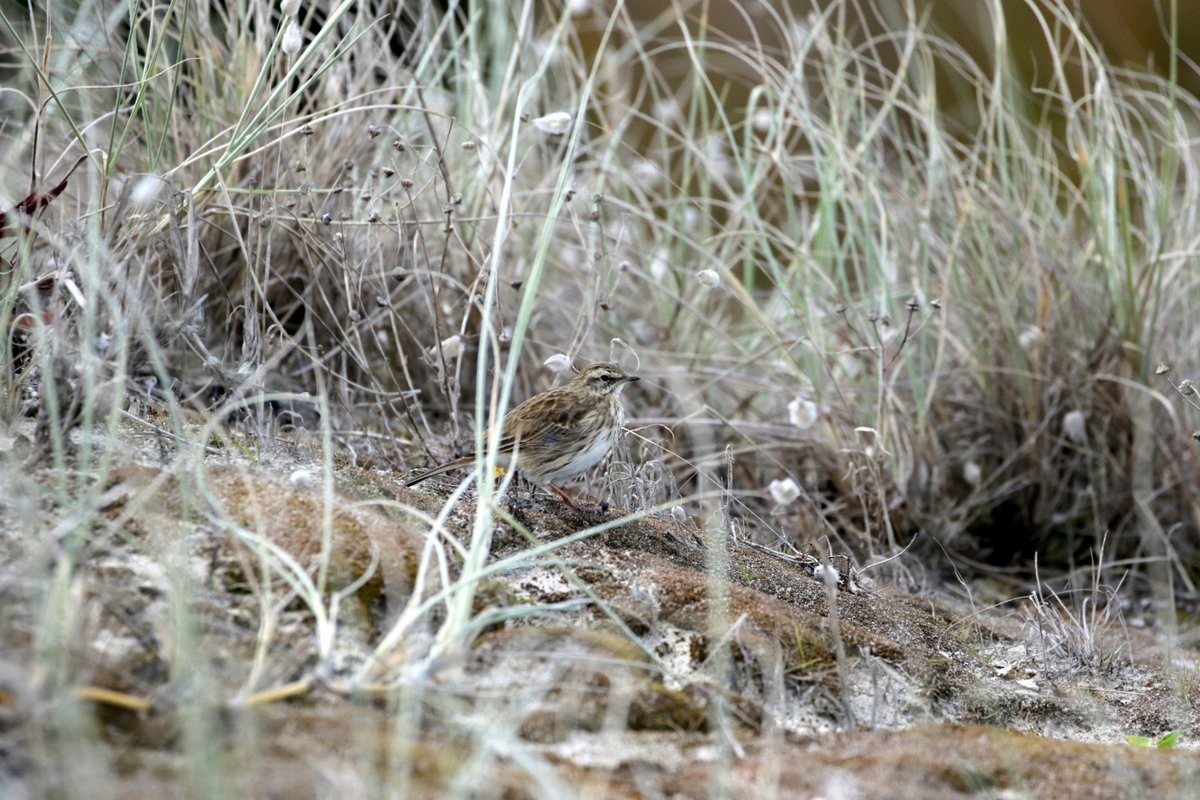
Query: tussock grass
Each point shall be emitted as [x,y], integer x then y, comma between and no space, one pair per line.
[843,252]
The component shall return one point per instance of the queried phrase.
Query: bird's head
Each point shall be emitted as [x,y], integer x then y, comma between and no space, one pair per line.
[604,378]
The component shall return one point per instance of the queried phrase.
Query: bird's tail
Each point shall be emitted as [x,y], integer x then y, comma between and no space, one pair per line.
[444,468]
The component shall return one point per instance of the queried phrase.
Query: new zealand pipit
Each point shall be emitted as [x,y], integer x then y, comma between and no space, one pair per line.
[561,433]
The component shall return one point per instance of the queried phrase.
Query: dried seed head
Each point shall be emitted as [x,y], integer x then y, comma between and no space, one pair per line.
[145,191]
[302,479]
[659,267]
[374,130]
[709,278]
[1075,426]
[802,413]
[558,363]
[292,41]
[1161,369]
[784,491]
[763,120]
[1030,337]
[827,572]
[555,123]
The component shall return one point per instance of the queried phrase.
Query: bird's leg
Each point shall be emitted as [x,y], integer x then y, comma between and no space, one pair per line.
[566,497]
[521,503]
[569,500]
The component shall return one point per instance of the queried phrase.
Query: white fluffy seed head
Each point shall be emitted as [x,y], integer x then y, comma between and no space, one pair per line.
[783,491]
[802,413]
[302,479]
[825,572]
[555,123]
[145,191]
[660,267]
[291,38]
[558,363]
[1074,425]
[1030,338]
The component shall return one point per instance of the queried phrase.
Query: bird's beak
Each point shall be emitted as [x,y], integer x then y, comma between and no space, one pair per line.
[632,378]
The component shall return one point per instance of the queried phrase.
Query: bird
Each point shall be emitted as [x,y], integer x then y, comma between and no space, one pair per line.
[561,433]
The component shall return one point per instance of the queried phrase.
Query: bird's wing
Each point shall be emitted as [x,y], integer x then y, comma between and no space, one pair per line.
[541,421]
